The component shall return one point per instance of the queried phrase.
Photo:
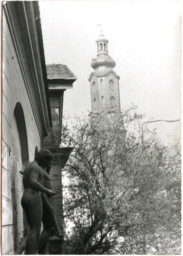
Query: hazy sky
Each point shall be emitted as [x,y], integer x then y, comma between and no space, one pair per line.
[144,40]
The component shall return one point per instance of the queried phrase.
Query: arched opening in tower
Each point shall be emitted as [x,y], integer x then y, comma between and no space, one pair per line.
[102,102]
[101,84]
[112,102]
[111,84]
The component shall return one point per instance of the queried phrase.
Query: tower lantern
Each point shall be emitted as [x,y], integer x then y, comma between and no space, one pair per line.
[102,45]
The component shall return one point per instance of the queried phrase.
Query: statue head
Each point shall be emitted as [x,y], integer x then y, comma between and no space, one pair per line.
[44,158]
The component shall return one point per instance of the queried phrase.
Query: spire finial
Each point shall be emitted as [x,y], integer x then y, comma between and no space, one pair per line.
[100,27]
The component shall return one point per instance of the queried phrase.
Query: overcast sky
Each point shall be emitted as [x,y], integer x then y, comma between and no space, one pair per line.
[144,40]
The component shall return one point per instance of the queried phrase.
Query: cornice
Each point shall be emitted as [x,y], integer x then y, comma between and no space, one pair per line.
[30,66]
[37,60]
[102,74]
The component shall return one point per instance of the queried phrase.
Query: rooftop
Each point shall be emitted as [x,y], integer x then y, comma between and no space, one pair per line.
[59,71]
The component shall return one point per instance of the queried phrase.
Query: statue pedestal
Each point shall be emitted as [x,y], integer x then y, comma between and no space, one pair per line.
[60,157]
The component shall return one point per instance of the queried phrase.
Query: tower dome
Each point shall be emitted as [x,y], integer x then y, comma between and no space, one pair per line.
[103,59]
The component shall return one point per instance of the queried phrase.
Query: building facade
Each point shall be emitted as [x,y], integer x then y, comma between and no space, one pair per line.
[104,82]
[26,111]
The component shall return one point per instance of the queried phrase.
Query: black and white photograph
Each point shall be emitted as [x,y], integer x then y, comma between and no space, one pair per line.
[91,127]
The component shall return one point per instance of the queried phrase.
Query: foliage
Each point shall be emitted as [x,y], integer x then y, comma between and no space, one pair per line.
[122,187]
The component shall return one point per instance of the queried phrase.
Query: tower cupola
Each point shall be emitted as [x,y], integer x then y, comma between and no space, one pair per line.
[102,45]
[103,59]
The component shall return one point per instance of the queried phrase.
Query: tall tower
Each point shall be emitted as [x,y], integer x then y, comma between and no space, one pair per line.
[104,82]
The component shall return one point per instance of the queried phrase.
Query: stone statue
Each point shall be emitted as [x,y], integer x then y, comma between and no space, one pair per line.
[35,195]
[50,223]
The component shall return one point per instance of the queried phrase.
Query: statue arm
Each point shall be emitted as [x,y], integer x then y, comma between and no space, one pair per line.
[36,185]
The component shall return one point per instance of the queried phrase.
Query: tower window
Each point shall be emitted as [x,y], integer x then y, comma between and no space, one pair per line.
[112,102]
[111,84]
[102,101]
[94,83]
[101,84]
[105,47]
[95,103]
[101,47]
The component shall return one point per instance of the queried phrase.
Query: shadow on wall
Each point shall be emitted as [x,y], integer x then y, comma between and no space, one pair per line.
[19,162]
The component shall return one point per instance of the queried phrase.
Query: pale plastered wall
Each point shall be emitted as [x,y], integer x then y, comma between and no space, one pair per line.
[14,91]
